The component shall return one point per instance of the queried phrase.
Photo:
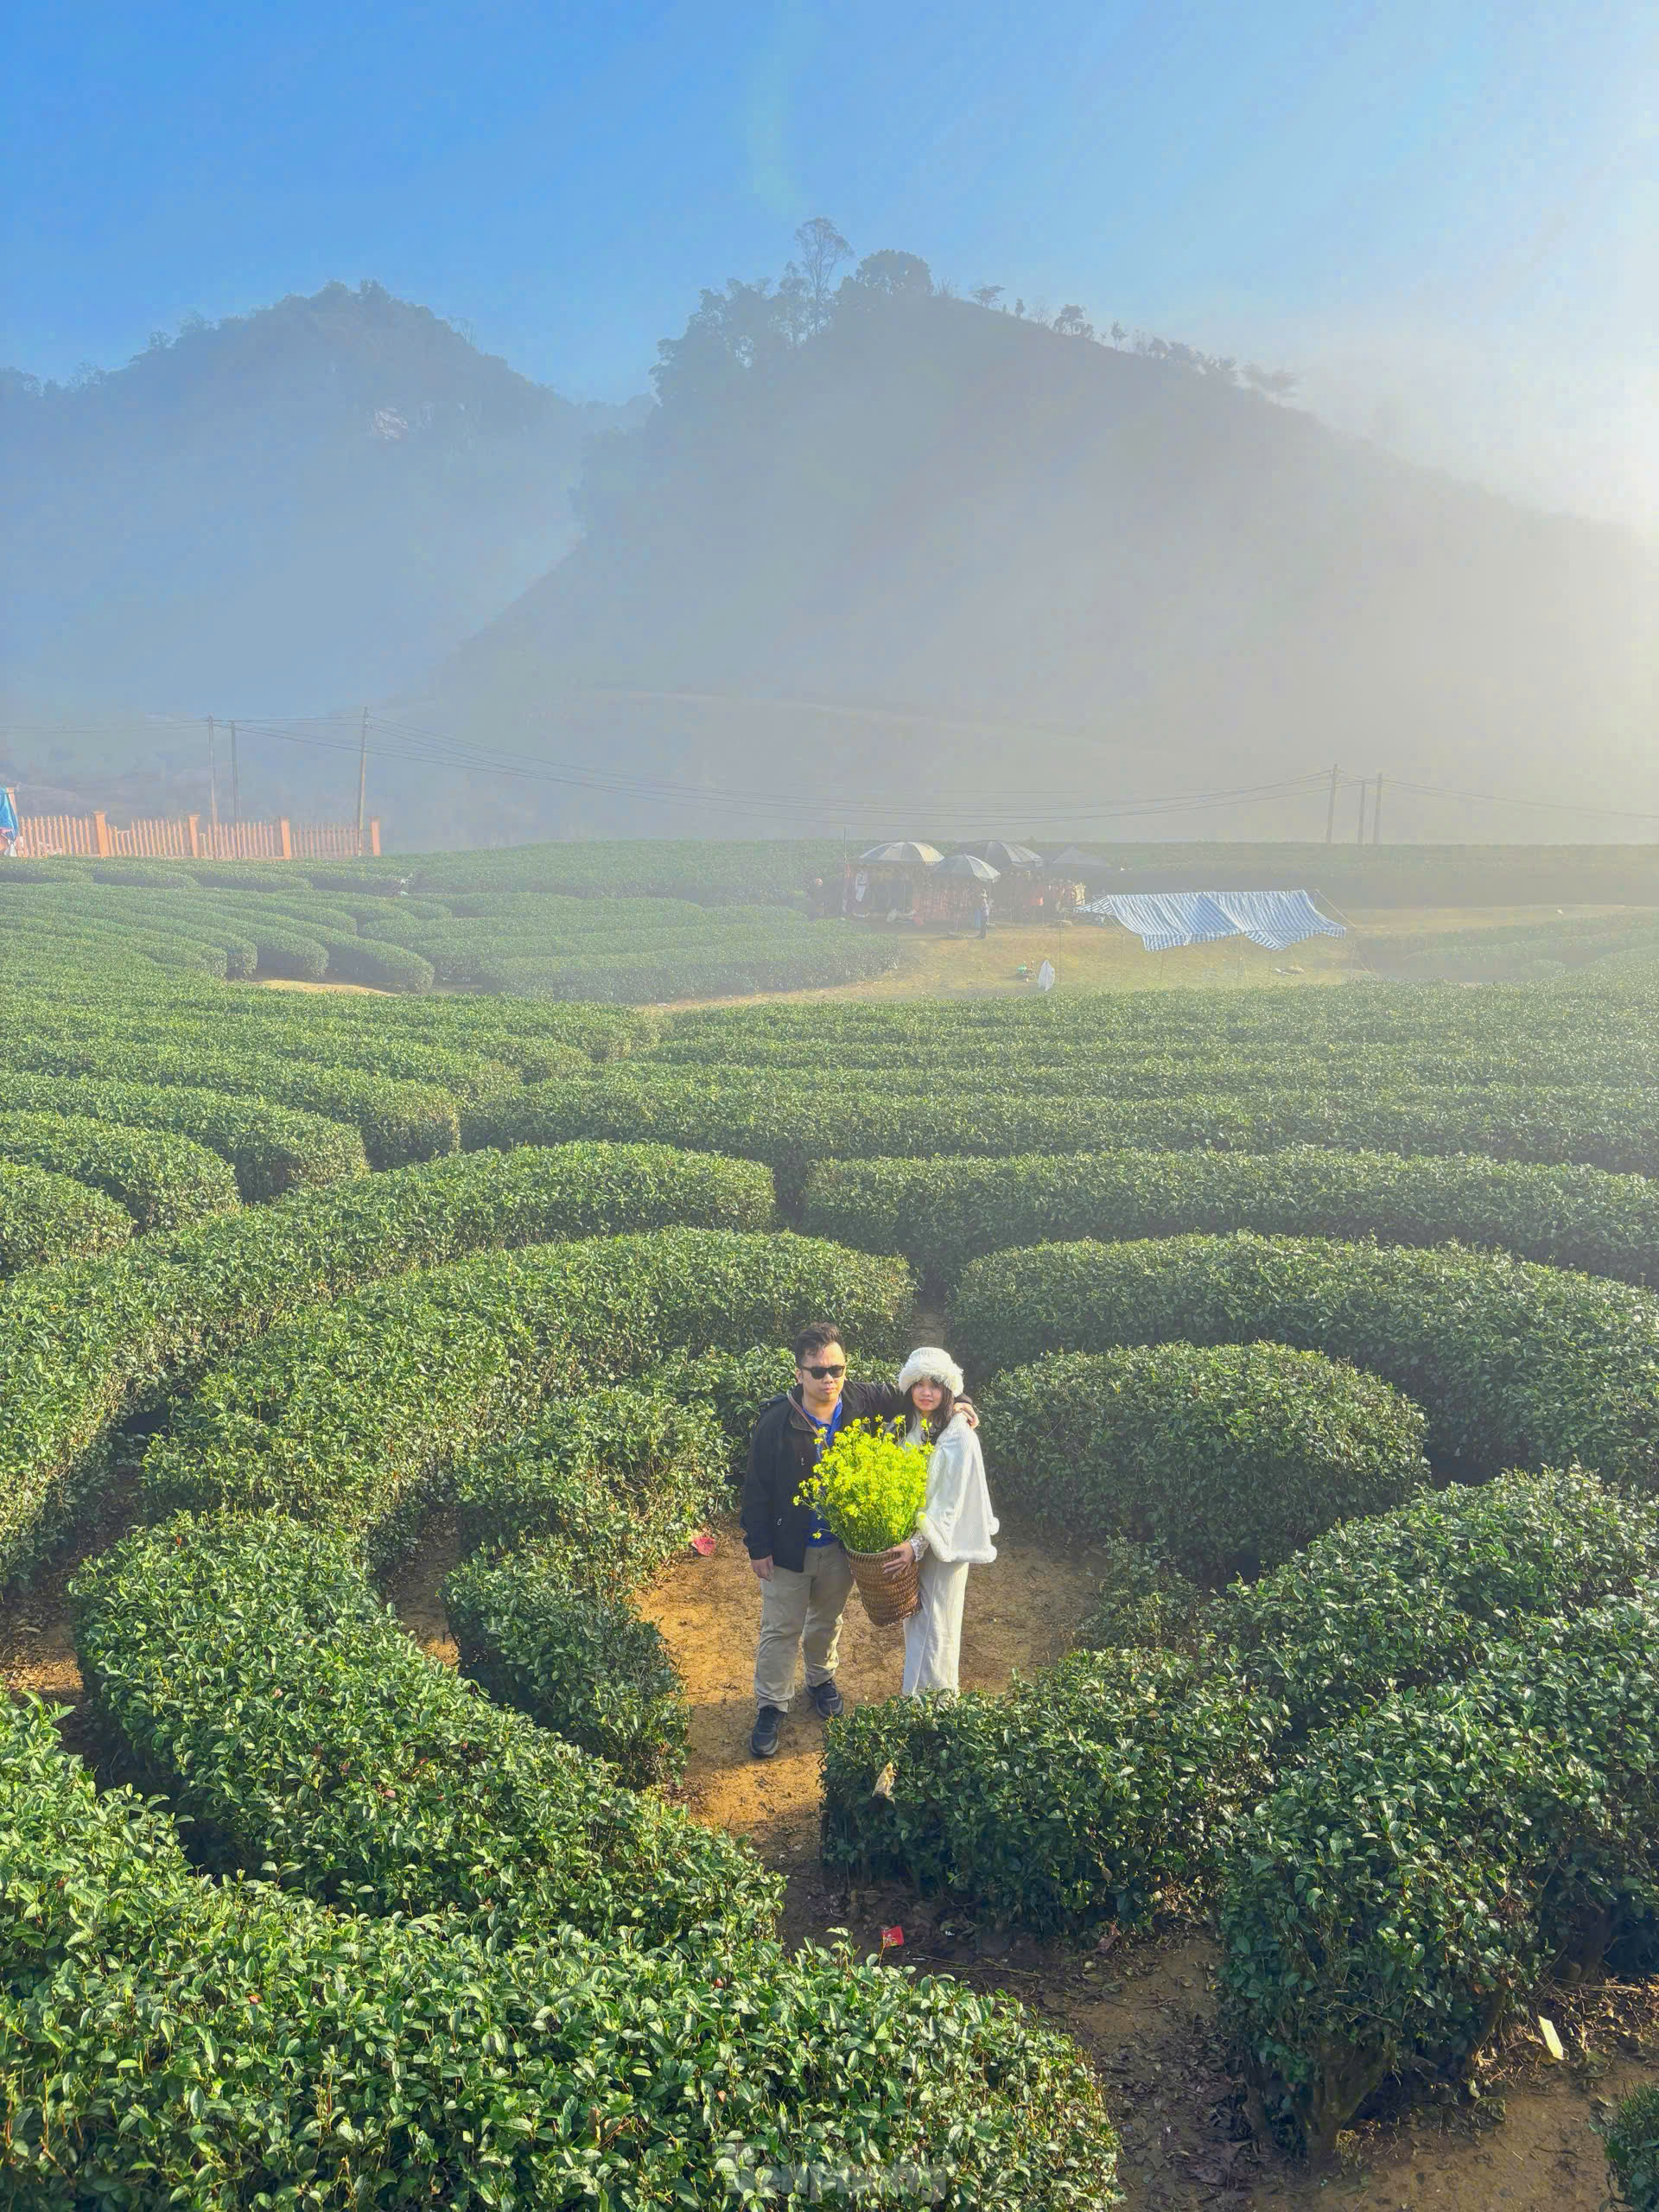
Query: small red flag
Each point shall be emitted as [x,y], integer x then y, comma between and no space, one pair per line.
[704,1545]
[892,1938]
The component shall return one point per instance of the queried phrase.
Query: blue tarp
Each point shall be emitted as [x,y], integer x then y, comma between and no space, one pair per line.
[1163,919]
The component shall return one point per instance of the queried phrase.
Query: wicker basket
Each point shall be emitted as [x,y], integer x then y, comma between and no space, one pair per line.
[887,1598]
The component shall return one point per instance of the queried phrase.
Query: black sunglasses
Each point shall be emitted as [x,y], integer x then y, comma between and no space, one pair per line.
[824,1374]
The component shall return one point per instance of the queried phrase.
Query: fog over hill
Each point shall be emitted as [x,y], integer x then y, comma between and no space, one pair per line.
[273,514]
[877,552]
[1054,571]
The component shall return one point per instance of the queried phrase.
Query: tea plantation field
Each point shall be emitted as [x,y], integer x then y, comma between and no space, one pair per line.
[1330,1319]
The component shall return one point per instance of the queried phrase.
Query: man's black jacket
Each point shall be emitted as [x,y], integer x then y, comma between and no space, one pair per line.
[782,1454]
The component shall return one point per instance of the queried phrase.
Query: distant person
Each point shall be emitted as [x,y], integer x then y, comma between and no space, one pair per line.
[956,1525]
[984,913]
[804,1572]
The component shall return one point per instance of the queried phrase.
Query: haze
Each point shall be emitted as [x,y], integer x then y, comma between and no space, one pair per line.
[1438,220]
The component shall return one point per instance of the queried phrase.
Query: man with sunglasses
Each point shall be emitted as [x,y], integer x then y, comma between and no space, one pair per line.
[804,1574]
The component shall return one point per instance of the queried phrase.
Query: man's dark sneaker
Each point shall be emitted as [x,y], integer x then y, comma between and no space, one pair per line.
[764,1742]
[829,1701]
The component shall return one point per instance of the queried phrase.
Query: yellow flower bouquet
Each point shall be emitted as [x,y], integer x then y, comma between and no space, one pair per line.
[870,1486]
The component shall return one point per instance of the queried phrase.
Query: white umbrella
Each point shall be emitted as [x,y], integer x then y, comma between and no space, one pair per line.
[967,864]
[1002,854]
[903,854]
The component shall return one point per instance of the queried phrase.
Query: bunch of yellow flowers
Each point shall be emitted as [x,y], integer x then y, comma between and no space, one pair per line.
[870,1485]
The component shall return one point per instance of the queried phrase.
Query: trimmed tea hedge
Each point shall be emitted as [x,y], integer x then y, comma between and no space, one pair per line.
[354,1414]
[251,1673]
[621,1477]
[83,1347]
[1632,2137]
[1418,1596]
[1110,1782]
[582,1665]
[160,1180]
[272,1148]
[1514,1364]
[1221,1457]
[46,1217]
[792,1123]
[1414,1878]
[941,1213]
[399,1122]
[162,2037]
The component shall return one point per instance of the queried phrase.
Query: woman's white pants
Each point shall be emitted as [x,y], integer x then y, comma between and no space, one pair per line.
[933,1632]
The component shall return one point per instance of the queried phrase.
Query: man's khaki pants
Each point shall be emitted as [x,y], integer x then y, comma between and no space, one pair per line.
[801,1612]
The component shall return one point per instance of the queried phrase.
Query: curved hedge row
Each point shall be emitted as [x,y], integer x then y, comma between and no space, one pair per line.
[1105,1785]
[1224,1457]
[254,1677]
[356,1413]
[546,2073]
[1416,1875]
[1091,1791]
[161,1180]
[399,1120]
[580,1664]
[1632,2137]
[1515,1366]
[790,1125]
[943,1213]
[46,1216]
[617,1478]
[1418,1596]
[83,1346]
[272,1148]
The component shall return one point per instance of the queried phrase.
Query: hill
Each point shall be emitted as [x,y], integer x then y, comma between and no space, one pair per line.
[275,513]
[929,547]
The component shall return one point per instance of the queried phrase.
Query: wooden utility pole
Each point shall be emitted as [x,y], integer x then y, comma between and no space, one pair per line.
[362,779]
[1330,811]
[1364,788]
[212,785]
[1377,815]
[236,788]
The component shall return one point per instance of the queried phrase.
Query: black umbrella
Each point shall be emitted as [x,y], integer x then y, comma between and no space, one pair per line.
[1004,856]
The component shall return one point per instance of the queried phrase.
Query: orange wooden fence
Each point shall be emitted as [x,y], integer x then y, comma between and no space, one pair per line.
[97,837]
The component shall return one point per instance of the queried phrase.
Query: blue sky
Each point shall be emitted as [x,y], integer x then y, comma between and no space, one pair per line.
[1442,214]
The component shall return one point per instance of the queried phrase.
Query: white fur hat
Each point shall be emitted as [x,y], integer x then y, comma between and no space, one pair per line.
[929,1362]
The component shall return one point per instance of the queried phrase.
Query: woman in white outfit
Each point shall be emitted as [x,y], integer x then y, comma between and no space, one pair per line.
[954,1528]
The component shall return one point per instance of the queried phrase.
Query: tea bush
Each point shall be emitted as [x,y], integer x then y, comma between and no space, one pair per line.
[582,1665]
[46,1217]
[793,1123]
[398,1122]
[1514,1364]
[1411,1880]
[1219,1456]
[621,1476]
[166,2038]
[82,1347]
[272,1148]
[1632,2137]
[248,1671]
[1139,1599]
[734,1386]
[354,1414]
[158,1179]
[943,1213]
[1419,1595]
[1111,1781]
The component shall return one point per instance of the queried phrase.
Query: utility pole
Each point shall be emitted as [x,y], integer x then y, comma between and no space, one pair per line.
[1377,815]
[1330,811]
[1364,788]
[236,788]
[212,785]
[362,779]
